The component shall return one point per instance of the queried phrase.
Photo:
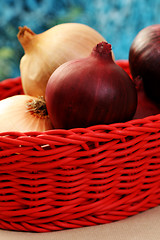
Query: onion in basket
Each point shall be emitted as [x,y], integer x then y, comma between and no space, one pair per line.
[145,107]
[144,60]
[23,113]
[90,91]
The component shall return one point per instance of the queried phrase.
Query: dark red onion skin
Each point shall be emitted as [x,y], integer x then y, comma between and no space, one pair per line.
[144,60]
[90,91]
[145,106]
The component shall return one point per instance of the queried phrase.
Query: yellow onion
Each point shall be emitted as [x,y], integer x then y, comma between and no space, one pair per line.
[46,51]
[23,113]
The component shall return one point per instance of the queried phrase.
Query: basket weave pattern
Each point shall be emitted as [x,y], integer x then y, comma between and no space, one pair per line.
[64,179]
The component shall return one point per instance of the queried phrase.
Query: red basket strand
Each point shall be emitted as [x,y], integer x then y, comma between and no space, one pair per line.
[10,87]
[63,179]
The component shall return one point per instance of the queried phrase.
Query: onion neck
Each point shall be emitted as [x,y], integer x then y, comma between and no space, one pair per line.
[102,50]
[25,36]
[37,107]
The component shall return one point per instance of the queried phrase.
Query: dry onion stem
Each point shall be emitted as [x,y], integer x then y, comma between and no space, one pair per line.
[37,107]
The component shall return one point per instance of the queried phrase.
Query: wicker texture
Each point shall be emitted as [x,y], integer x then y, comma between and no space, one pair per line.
[64,179]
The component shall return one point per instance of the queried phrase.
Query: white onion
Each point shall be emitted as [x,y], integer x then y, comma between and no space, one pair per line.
[23,113]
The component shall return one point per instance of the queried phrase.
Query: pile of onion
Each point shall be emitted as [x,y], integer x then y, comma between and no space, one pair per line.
[90,91]
[70,80]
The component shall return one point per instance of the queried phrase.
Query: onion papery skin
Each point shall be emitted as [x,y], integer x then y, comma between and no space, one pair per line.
[144,60]
[46,51]
[90,91]
[17,115]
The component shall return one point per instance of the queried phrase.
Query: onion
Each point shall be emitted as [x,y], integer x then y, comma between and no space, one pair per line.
[46,51]
[90,91]
[145,106]
[23,113]
[144,60]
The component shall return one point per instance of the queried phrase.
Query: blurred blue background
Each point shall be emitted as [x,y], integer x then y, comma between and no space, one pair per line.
[117,20]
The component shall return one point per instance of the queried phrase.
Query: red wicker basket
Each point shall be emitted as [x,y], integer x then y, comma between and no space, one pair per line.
[63,179]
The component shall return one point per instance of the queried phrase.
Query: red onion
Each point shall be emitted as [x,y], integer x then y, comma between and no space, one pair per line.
[144,60]
[90,91]
[145,106]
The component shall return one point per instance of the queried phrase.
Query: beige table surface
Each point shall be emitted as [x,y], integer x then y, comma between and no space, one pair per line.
[144,226]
